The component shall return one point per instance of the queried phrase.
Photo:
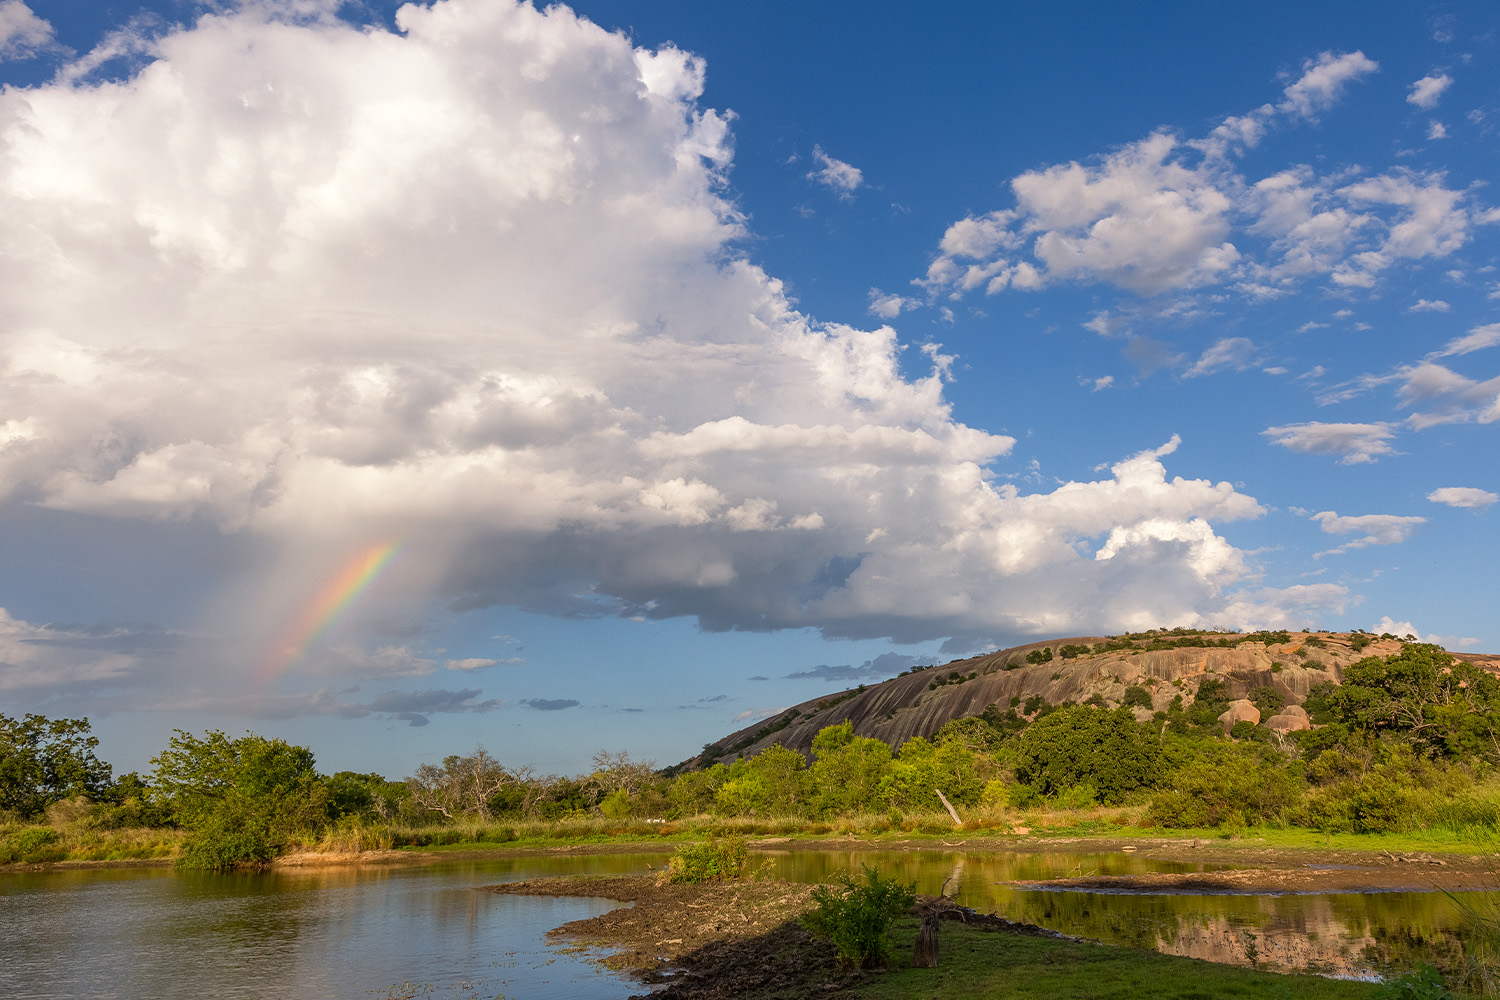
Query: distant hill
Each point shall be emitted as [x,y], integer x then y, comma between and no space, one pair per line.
[1168,663]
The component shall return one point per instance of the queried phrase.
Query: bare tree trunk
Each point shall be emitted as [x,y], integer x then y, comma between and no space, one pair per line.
[925,954]
[949,806]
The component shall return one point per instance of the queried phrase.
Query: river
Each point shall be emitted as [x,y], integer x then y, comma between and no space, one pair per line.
[381,932]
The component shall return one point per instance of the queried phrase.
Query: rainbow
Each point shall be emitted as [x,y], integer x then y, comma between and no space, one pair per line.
[331,601]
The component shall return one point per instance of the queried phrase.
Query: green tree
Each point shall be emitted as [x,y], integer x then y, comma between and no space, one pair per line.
[922,767]
[848,770]
[1221,781]
[1443,704]
[244,799]
[45,760]
[1082,744]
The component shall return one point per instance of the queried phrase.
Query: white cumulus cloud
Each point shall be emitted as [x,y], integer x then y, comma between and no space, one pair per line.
[22,33]
[843,178]
[1426,92]
[472,284]
[1466,497]
[1353,443]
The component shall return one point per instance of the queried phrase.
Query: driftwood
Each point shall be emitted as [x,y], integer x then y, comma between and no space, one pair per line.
[925,954]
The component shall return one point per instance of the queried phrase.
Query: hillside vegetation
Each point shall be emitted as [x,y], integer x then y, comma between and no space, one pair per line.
[1163,730]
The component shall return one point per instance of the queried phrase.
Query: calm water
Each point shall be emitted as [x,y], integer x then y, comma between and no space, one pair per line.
[426,933]
[332,933]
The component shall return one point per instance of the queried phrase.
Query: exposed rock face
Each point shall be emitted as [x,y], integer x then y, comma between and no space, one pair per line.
[920,703]
[1239,711]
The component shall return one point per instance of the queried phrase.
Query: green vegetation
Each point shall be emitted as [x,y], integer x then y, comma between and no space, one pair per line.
[43,761]
[720,860]
[856,915]
[1405,751]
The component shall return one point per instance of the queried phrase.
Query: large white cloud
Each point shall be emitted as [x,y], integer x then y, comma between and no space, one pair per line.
[472,284]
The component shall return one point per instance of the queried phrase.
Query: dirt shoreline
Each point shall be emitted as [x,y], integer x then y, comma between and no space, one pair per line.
[720,941]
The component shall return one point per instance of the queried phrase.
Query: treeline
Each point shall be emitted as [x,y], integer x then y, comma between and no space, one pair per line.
[1407,742]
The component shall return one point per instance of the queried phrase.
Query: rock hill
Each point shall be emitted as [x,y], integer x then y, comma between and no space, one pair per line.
[1167,664]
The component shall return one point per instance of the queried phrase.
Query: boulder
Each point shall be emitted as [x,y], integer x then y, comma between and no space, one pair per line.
[1296,710]
[1239,711]
[1288,721]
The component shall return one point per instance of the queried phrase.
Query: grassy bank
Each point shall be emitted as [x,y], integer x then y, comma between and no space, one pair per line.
[66,838]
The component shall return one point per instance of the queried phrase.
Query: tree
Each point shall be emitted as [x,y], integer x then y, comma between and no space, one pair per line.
[849,768]
[1079,744]
[244,799]
[45,760]
[1446,705]
[461,785]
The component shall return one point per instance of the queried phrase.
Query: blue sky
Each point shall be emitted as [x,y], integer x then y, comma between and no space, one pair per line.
[694,360]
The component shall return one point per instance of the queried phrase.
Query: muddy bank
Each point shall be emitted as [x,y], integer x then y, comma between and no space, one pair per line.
[702,941]
[716,942]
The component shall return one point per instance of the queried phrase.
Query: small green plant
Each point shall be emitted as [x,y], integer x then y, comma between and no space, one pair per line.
[1423,983]
[719,860]
[856,914]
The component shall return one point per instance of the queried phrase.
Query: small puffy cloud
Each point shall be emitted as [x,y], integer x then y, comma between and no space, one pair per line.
[475,663]
[1353,443]
[756,714]
[883,666]
[1323,81]
[1465,497]
[1439,395]
[843,178]
[1100,383]
[1426,92]
[1429,305]
[22,33]
[1476,339]
[889,305]
[549,704]
[1237,353]
[1437,130]
[1373,529]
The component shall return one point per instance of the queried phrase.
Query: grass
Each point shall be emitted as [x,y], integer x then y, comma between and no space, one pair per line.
[36,844]
[73,839]
[992,966]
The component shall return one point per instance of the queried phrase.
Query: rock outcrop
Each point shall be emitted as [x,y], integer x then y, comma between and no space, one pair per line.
[1080,669]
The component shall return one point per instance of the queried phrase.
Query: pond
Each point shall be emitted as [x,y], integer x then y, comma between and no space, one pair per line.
[423,932]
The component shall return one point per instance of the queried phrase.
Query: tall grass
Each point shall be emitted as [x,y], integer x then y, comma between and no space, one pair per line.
[1478,971]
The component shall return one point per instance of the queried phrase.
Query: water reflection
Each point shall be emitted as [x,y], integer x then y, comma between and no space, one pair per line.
[1359,935]
[328,933]
[357,932]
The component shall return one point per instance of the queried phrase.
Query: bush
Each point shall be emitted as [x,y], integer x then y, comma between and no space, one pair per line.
[32,845]
[717,861]
[856,915]
[1136,696]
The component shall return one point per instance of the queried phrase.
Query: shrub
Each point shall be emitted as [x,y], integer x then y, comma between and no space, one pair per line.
[33,844]
[717,861]
[1136,696]
[856,914]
